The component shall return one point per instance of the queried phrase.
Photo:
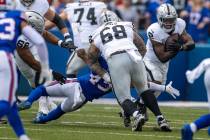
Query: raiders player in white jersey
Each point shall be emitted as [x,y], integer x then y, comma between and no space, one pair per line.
[26,51]
[157,58]
[83,17]
[123,49]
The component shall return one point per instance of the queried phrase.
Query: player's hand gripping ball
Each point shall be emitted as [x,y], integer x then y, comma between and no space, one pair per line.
[173,43]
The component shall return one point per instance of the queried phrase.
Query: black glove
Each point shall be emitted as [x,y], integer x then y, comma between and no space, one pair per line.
[59,77]
[67,45]
[69,42]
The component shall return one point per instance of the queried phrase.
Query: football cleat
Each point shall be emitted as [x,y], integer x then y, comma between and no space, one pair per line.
[186,132]
[209,131]
[24,105]
[163,124]
[138,122]
[38,118]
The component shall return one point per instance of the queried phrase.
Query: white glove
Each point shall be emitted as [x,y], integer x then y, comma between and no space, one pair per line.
[171,90]
[45,76]
[106,77]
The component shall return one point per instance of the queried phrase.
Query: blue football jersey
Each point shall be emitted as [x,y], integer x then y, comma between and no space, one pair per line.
[93,86]
[10,29]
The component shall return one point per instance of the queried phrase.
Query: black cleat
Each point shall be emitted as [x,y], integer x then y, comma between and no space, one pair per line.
[163,124]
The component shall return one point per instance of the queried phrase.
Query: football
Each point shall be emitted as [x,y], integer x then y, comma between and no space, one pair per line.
[173,43]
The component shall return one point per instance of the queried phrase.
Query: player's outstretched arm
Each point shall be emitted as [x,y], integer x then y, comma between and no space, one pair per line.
[139,42]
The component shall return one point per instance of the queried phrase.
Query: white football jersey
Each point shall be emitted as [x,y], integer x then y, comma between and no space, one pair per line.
[84,19]
[39,6]
[114,36]
[155,32]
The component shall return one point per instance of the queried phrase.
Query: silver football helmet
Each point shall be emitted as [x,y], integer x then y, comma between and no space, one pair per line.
[35,20]
[167,16]
[107,16]
[7,4]
[27,3]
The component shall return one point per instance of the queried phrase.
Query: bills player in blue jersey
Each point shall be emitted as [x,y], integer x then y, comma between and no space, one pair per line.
[78,91]
[12,25]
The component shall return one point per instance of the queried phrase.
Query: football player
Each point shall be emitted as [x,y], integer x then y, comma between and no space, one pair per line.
[42,7]
[26,63]
[83,17]
[158,53]
[204,121]
[123,49]
[12,25]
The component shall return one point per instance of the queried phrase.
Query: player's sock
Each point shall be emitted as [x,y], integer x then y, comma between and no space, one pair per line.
[53,115]
[15,121]
[202,122]
[37,93]
[129,107]
[4,108]
[151,102]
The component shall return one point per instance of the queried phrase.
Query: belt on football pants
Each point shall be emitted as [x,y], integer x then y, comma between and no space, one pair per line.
[118,52]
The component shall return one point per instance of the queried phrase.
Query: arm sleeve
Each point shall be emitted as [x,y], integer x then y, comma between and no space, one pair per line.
[37,40]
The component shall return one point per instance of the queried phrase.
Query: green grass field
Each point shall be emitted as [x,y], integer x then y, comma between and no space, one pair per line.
[102,122]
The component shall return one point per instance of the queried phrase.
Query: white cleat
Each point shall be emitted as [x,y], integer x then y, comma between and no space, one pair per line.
[189,76]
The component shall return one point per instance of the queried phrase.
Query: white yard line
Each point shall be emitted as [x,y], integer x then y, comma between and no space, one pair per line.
[111,133]
[175,121]
[6,138]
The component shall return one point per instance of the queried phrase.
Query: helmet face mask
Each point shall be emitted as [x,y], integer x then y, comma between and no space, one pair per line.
[167,16]
[35,20]
[27,3]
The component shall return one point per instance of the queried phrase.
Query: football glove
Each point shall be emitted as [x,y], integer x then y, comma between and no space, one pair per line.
[171,90]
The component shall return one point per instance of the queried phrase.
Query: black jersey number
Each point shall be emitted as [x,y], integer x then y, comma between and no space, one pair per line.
[119,33]
[90,15]
[22,44]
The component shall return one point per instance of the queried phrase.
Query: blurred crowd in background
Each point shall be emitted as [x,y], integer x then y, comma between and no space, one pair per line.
[142,13]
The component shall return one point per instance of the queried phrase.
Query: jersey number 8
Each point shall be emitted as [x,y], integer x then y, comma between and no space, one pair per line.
[119,33]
